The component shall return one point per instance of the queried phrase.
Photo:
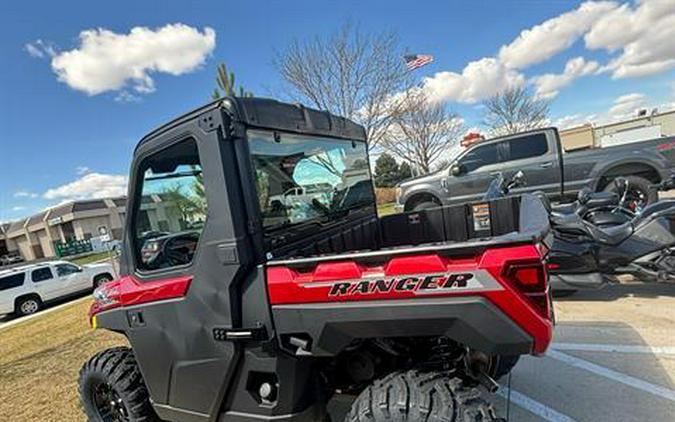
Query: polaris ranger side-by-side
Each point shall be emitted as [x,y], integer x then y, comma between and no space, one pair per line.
[241,303]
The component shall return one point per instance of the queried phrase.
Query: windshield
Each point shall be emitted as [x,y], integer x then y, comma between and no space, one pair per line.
[301,178]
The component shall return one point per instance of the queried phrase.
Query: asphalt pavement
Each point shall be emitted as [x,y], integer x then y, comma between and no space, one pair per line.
[613,359]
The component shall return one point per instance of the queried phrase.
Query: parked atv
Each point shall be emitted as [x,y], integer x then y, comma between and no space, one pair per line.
[241,307]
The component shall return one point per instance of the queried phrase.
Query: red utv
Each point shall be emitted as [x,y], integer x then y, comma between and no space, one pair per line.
[241,303]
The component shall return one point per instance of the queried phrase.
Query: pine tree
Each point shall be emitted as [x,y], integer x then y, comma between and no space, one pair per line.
[404,172]
[386,171]
[226,84]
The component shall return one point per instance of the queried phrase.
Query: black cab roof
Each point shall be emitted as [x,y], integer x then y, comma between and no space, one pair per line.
[271,114]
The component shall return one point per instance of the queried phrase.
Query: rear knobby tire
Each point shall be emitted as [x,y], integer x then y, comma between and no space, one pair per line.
[113,376]
[415,396]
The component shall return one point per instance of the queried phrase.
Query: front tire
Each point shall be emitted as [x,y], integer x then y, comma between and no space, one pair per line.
[111,388]
[420,396]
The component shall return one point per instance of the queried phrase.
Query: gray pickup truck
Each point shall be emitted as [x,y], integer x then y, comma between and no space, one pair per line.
[561,176]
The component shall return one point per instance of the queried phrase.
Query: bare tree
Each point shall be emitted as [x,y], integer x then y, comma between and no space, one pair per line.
[514,110]
[422,132]
[350,74]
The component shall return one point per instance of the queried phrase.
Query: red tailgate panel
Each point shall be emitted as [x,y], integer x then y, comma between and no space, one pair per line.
[409,277]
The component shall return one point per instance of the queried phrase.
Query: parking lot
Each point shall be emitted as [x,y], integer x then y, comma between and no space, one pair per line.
[613,359]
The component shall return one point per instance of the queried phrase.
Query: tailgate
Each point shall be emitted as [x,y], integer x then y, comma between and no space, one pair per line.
[493,299]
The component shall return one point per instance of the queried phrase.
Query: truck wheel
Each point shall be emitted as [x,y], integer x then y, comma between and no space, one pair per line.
[28,305]
[638,191]
[420,396]
[112,389]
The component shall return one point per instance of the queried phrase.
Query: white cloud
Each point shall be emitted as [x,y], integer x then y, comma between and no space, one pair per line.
[574,120]
[543,41]
[40,49]
[623,107]
[18,208]
[25,194]
[627,105]
[107,61]
[91,185]
[478,80]
[127,97]
[80,170]
[644,35]
[483,78]
[548,85]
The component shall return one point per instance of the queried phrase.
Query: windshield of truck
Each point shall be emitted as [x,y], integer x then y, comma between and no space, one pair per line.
[301,178]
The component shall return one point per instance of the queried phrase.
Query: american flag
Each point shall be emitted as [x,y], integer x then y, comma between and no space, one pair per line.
[415,61]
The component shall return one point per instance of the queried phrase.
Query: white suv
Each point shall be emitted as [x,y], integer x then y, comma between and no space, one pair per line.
[24,290]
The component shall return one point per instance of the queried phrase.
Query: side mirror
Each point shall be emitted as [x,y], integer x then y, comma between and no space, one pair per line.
[456,169]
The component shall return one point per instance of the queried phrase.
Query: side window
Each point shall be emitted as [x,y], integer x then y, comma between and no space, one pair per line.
[41,274]
[170,208]
[528,147]
[66,269]
[12,281]
[480,156]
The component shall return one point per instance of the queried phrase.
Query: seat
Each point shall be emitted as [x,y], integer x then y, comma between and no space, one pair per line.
[612,235]
[601,199]
[605,219]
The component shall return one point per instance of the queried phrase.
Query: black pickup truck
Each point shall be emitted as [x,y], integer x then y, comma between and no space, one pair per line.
[561,176]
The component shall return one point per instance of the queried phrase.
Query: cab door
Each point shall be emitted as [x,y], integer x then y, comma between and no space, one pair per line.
[47,285]
[474,171]
[72,278]
[533,153]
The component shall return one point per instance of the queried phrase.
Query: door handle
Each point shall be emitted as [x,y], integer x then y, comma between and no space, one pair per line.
[546,165]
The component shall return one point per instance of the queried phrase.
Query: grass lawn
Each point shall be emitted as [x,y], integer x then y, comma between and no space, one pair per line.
[39,364]
[88,259]
[386,209]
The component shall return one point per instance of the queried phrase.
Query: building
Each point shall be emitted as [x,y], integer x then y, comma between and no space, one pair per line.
[643,127]
[36,236]
[85,223]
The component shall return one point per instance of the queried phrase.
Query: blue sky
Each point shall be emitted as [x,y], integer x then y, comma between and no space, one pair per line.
[73,138]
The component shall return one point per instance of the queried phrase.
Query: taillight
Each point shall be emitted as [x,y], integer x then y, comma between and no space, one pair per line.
[106,296]
[531,279]
[127,291]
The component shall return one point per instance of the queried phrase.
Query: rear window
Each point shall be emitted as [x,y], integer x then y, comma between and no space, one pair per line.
[527,147]
[41,274]
[12,281]
[308,178]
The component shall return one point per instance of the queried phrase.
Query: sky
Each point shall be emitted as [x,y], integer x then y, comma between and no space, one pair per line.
[82,82]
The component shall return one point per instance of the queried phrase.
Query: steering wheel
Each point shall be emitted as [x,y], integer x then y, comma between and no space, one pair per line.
[176,251]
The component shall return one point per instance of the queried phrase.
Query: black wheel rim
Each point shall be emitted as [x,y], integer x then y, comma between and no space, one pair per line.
[109,404]
[636,199]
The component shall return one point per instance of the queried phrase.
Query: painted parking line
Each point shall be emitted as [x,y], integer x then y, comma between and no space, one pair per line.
[42,313]
[534,407]
[614,348]
[645,386]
